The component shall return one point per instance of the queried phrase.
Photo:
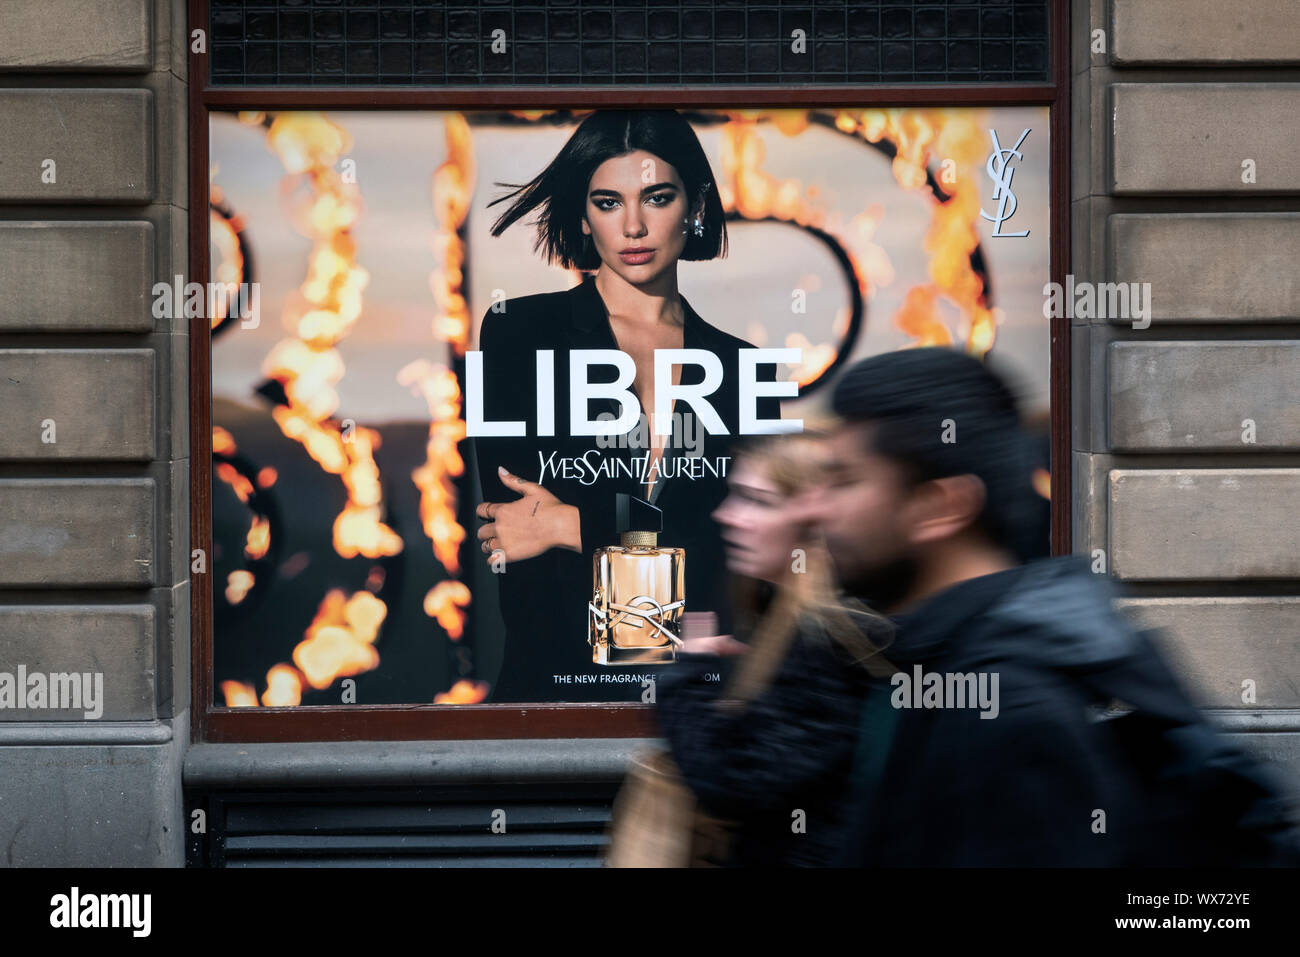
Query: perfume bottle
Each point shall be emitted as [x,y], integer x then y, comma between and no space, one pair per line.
[634,616]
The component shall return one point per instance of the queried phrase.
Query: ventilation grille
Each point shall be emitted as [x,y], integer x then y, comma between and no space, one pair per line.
[444,827]
[697,42]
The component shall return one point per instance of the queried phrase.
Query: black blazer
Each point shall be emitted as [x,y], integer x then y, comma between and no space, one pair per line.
[544,599]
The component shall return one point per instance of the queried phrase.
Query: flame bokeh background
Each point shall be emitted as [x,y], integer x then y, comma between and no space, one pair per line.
[342,502]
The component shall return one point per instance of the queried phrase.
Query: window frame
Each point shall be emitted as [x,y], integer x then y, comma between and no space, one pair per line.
[396,722]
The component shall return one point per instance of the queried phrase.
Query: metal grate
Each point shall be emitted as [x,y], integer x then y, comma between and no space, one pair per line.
[448,826]
[435,43]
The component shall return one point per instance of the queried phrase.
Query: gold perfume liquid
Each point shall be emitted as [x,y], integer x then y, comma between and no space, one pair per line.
[635,613]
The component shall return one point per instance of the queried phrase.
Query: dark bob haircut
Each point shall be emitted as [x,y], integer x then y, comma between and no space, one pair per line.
[560,190]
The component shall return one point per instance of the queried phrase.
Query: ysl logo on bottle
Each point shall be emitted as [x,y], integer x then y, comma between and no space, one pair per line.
[639,613]
[1000,171]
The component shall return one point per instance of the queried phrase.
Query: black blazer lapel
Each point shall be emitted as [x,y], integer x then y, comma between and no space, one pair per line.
[590,328]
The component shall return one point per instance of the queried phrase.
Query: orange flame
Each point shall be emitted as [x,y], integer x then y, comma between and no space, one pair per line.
[815,357]
[443,602]
[452,189]
[340,638]
[259,537]
[756,194]
[283,687]
[919,318]
[223,443]
[238,694]
[237,481]
[307,141]
[870,260]
[238,584]
[435,478]
[358,531]
[463,692]
[308,366]
[919,135]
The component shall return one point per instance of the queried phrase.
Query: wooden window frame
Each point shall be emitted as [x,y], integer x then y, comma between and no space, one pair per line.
[396,722]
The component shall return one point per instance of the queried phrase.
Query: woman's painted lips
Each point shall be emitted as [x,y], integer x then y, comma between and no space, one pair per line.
[635,257]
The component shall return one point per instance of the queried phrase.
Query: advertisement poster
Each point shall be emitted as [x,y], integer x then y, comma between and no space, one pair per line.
[452,461]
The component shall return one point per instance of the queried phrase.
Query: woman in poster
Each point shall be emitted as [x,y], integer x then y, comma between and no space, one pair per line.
[629,195]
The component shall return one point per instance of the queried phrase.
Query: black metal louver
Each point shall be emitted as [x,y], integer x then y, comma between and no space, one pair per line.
[428,827]
[697,42]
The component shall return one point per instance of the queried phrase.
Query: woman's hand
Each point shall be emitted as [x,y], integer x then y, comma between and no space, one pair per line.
[530,525]
[699,636]
[713,645]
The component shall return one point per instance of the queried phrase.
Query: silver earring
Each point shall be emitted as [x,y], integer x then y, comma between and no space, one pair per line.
[698,228]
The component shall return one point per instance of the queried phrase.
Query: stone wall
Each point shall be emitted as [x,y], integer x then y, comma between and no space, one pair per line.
[1186,433]
[94,455]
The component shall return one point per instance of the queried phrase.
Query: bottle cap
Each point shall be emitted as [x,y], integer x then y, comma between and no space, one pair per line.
[637,521]
[634,514]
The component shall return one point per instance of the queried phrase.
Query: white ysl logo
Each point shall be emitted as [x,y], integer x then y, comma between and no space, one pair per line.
[1000,171]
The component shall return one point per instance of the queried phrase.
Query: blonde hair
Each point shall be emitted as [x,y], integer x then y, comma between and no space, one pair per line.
[808,600]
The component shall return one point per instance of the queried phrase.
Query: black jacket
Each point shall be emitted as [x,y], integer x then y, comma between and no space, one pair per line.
[1030,787]
[788,751]
[544,599]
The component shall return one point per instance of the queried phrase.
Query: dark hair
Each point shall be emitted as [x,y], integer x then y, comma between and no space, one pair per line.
[906,396]
[560,190]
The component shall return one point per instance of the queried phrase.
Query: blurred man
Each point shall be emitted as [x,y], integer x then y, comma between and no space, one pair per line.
[1027,723]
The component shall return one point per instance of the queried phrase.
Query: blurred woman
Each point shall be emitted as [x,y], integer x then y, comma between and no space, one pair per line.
[777,763]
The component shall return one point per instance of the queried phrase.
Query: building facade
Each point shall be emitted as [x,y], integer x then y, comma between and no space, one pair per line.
[1183,438]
